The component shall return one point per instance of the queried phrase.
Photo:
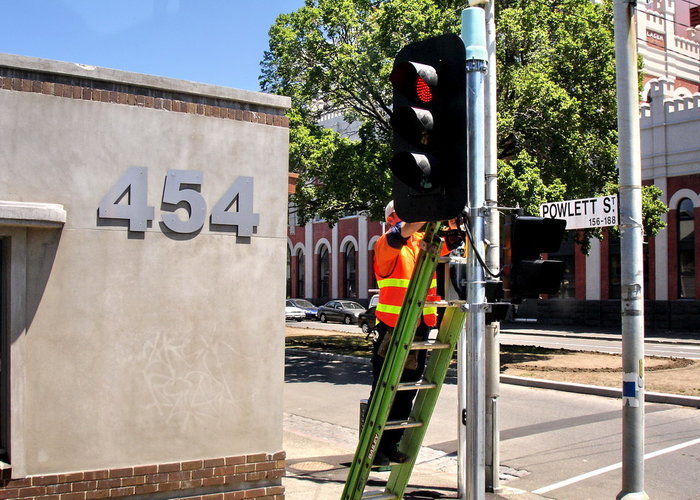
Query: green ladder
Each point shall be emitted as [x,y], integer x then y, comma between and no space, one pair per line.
[388,384]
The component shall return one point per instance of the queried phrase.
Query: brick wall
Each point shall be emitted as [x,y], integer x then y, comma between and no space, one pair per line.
[90,90]
[256,477]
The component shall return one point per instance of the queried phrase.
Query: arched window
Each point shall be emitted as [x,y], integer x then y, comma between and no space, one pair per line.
[686,249]
[350,271]
[324,272]
[301,292]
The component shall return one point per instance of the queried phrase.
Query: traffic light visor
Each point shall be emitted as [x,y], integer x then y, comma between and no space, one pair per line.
[414,124]
[414,169]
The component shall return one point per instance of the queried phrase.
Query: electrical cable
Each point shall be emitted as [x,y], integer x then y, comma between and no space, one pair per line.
[593,22]
[659,16]
[476,253]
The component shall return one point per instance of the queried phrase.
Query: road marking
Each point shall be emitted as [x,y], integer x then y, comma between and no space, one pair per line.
[609,468]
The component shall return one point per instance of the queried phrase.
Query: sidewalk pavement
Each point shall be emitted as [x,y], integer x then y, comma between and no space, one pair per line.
[318,457]
[317,466]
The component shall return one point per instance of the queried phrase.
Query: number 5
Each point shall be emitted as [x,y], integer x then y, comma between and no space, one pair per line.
[174,194]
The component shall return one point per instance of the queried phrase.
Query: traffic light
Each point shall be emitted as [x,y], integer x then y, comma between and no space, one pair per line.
[429,120]
[526,274]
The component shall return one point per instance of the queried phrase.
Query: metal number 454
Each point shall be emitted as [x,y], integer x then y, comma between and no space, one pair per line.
[128,200]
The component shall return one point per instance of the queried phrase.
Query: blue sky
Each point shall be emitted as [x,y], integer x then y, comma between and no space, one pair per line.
[211,41]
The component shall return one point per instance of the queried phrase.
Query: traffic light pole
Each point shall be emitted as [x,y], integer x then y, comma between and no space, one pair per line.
[471,348]
[492,235]
[632,299]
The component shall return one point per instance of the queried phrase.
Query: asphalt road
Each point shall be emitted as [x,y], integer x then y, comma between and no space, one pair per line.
[556,444]
[679,349]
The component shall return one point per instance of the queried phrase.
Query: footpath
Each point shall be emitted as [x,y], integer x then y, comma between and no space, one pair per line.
[318,452]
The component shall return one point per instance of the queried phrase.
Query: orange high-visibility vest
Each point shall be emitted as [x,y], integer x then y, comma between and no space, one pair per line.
[393,269]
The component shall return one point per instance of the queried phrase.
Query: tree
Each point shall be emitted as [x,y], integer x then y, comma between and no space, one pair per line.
[557,110]
[556,97]
[336,56]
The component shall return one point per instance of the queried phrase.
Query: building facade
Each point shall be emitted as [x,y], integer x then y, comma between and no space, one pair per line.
[135,213]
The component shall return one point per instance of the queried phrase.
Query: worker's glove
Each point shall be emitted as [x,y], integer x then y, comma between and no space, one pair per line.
[454,238]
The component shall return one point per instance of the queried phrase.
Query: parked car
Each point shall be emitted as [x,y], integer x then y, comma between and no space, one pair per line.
[310,309]
[294,313]
[367,320]
[373,301]
[345,311]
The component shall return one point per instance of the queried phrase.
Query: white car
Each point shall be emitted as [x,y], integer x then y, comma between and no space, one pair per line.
[294,313]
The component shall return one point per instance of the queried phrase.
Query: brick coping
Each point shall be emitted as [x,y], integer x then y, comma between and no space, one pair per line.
[255,476]
[94,90]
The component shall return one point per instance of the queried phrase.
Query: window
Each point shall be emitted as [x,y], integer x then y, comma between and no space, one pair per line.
[694,16]
[686,249]
[323,272]
[614,267]
[350,272]
[289,273]
[301,292]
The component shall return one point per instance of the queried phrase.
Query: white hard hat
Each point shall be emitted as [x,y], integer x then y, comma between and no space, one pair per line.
[389,210]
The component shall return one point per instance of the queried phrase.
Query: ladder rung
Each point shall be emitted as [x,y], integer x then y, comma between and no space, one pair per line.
[402,424]
[378,495]
[429,344]
[445,303]
[410,386]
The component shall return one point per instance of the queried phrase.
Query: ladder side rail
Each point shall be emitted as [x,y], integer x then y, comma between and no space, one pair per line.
[394,361]
[450,329]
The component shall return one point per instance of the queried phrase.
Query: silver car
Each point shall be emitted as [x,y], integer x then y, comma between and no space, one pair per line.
[345,311]
[294,314]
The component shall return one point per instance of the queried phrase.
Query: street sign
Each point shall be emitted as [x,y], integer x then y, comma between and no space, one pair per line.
[585,213]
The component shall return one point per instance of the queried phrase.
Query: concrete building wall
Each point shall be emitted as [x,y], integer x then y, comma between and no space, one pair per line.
[141,346]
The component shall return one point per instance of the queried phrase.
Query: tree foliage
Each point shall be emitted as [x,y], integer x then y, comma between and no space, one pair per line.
[335,56]
[556,98]
[556,87]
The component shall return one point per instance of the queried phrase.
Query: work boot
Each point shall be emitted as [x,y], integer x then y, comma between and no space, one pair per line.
[396,456]
[381,460]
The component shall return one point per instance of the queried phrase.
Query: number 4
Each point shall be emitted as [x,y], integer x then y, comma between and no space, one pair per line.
[241,194]
[134,185]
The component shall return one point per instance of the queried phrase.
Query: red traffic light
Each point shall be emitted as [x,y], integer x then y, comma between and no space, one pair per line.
[414,80]
[423,90]
[428,117]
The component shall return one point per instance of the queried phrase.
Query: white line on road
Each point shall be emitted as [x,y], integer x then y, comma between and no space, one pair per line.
[609,468]
[612,346]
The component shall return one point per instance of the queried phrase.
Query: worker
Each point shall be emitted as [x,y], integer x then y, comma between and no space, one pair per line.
[395,256]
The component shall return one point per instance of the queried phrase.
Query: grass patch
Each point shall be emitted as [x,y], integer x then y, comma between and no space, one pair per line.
[338,344]
[352,345]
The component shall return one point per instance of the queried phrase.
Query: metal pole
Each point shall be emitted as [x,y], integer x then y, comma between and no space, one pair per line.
[632,303]
[471,348]
[492,258]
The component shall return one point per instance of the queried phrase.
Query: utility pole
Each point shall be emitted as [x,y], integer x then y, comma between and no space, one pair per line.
[631,239]
[471,352]
[492,258]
